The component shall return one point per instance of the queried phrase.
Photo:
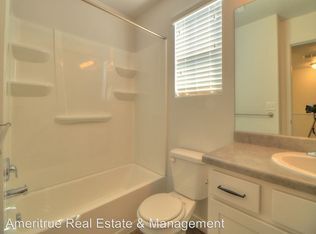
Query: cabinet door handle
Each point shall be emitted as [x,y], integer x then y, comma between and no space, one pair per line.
[231,192]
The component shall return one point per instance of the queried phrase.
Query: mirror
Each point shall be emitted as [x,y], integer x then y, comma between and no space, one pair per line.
[275,43]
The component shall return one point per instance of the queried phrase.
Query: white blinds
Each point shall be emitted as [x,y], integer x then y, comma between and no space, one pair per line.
[198,51]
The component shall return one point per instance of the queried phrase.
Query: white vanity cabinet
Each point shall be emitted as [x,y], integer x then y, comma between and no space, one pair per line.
[237,222]
[250,205]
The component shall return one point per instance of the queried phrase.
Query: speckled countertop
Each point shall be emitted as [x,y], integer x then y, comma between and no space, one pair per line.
[255,161]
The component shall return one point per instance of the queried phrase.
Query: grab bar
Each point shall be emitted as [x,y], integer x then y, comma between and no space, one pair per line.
[269,115]
[16,192]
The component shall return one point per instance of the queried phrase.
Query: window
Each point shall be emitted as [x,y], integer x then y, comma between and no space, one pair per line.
[198,51]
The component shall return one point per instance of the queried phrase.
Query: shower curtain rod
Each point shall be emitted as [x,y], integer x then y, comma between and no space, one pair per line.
[103,8]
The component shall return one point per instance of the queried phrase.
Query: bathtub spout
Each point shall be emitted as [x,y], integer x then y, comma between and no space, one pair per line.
[15,192]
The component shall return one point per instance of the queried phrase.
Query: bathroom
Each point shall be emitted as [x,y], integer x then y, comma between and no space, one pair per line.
[117,113]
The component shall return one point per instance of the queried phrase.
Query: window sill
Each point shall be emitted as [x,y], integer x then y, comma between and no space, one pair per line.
[199,94]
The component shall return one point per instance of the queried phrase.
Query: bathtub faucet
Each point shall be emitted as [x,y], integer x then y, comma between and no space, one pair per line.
[15,192]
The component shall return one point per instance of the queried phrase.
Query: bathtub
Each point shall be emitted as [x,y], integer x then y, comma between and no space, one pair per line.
[113,194]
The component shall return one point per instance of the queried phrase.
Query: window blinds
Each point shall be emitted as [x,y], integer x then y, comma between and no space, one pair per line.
[198,51]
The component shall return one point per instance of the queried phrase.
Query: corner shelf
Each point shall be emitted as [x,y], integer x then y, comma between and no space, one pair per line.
[28,53]
[126,72]
[125,95]
[77,119]
[29,89]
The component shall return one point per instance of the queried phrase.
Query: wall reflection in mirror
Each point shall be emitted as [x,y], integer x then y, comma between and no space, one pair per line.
[275,56]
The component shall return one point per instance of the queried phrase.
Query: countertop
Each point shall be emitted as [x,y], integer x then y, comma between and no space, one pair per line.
[255,161]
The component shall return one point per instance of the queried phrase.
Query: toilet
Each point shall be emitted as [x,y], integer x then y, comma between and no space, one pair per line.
[189,175]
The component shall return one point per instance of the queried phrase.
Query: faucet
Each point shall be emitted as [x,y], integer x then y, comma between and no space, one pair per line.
[8,169]
[15,192]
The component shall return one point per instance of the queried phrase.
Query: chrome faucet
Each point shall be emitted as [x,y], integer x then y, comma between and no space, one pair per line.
[8,169]
[15,192]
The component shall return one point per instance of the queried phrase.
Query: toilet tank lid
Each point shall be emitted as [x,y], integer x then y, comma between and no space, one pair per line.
[189,155]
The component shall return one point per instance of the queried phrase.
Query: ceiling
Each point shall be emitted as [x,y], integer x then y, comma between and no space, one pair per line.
[130,8]
[299,53]
[262,8]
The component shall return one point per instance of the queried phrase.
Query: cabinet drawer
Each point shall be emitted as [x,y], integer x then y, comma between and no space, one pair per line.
[235,191]
[294,212]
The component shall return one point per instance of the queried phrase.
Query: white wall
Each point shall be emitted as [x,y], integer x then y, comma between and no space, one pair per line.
[257,75]
[200,123]
[302,29]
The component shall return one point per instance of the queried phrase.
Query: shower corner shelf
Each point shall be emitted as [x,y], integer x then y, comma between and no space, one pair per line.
[126,72]
[125,95]
[29,89]
[79,119]
[28,53]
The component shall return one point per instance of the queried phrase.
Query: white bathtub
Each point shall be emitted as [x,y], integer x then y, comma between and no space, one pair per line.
[114,194]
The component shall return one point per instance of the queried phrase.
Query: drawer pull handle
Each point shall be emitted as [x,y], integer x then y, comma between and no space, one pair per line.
[231,192]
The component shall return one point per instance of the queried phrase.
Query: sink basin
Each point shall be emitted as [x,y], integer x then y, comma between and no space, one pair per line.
[297,162]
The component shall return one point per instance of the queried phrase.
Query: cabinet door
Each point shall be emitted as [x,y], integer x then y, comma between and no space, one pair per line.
[236,222]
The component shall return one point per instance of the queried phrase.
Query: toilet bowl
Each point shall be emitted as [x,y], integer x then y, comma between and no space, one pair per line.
[159,209]
[166,213]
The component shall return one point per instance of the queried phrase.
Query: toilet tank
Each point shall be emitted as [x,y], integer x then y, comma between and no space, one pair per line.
[189,173]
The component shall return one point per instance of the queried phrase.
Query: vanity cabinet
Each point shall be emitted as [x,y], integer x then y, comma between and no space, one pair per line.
[249,205]
[236,222]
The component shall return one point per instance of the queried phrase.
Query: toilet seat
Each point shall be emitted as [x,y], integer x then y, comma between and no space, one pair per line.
[162,207]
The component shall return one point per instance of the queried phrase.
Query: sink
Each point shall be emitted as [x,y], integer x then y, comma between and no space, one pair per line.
[297,162]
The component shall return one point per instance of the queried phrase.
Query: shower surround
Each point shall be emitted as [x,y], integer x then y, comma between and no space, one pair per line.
[86,97]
